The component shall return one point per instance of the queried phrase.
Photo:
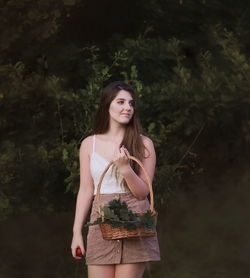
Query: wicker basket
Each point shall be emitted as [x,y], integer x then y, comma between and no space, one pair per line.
[117,233]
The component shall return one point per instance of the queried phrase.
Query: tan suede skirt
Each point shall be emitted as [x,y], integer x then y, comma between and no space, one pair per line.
[122,251]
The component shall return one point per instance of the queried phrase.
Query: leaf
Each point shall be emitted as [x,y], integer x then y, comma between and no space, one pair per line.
[96,222]
[109,213]
[124,214]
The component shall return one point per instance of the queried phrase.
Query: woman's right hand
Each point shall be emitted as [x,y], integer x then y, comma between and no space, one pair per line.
[77,241]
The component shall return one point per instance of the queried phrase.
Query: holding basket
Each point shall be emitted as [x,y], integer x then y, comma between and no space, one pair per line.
[139,218]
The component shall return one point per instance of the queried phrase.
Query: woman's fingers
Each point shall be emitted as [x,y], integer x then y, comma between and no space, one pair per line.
[122,151]
[119,153]
[78,252]
[126,151]
[73,250]
[77,249]
[121,156]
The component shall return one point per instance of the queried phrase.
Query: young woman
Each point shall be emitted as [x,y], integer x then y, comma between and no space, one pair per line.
[116,135]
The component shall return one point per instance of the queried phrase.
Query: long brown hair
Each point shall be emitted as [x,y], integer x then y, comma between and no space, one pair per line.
[132,139]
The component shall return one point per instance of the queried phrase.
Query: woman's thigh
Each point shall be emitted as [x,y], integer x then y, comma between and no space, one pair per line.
[134,270]
[101,271]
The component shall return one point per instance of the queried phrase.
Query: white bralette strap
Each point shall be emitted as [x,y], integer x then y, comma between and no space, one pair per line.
[94,143]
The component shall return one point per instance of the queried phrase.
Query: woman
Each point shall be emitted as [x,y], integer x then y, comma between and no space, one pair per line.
[116,135]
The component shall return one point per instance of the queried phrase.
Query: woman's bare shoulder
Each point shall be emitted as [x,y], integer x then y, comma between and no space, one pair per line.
[87,144]
[149,146]
[146,141]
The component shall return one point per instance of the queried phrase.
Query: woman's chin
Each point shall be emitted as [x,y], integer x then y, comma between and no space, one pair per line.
[124,122]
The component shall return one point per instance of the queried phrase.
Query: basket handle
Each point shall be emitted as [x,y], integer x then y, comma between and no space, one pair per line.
[147,178]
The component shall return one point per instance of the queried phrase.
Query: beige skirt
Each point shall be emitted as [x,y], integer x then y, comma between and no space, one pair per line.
[122,251]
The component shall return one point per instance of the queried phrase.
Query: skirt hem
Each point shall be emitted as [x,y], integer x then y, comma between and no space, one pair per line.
[128,262]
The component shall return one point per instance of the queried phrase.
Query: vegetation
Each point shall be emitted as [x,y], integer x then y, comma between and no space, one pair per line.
[117,215]
[191,73]
[189,61]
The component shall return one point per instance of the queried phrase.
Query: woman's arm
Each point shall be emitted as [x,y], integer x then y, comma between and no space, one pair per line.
[86,189]
[137,183]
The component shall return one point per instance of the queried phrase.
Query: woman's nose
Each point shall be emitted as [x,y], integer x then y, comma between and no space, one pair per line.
[127,107]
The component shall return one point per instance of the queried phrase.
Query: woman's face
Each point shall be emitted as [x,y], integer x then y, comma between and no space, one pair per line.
[121,108]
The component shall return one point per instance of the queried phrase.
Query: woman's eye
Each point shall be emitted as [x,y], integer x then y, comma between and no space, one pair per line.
[122,102]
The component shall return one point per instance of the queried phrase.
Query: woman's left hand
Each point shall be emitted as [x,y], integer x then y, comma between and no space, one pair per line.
[121,159]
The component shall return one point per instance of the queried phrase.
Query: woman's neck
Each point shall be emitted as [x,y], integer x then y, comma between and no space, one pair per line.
[115,133]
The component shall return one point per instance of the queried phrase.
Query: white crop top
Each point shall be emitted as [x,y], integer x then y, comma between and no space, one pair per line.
[110,183]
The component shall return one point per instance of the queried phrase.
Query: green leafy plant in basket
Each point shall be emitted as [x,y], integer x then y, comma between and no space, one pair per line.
[117,214]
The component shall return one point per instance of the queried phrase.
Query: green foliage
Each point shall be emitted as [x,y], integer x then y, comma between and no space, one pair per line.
[50,89]
[31,22]
[117,214]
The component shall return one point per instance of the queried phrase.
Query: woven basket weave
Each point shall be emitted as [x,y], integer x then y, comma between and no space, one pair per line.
[117,233]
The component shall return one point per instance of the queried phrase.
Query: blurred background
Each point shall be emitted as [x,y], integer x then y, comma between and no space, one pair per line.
[189,61]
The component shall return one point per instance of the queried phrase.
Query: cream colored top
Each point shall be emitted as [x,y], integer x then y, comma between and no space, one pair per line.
[110,183]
